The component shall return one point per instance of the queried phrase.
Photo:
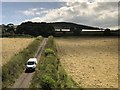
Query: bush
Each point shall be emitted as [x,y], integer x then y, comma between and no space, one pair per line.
[49,51]
[107,32]
[39,37]
[47,82]
[51,44]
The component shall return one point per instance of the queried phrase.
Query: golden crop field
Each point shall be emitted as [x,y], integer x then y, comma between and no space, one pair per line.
[11,46]
[91,62]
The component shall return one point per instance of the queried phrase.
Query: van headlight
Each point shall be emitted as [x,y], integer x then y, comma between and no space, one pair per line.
[33,66]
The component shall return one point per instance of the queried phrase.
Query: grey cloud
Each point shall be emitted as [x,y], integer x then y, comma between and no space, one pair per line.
[84,5]
[106,23]
[106,6]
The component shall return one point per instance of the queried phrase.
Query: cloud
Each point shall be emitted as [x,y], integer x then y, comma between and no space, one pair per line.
[95,14]
[33,11]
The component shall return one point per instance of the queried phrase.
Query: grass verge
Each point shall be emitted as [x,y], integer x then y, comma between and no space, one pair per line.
[12,70]
[49,73]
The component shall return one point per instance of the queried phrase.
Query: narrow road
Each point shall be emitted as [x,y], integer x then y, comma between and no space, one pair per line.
[24,80]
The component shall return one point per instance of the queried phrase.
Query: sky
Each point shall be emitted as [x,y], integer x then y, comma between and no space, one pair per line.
[92,12]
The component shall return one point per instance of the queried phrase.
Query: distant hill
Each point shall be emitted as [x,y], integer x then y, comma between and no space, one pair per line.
[69,24]
[65,25]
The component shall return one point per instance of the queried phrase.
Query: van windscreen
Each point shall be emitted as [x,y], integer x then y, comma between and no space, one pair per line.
[30,63]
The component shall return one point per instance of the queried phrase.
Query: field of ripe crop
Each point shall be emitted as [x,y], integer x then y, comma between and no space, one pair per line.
[91,62]
[11,46]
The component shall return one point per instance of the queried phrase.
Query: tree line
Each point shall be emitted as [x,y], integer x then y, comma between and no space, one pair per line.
[8,29]
[36,29]
[28,28]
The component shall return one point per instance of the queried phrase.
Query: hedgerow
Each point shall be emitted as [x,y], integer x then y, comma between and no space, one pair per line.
[50,73]
[12,70]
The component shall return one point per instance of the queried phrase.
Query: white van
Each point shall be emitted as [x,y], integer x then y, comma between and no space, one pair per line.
[31,64]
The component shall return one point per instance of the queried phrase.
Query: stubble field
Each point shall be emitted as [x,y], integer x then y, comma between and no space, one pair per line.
[11,46]
[91,62]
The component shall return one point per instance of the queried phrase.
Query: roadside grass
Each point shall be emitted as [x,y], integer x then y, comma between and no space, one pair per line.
[50,73]
[12,70]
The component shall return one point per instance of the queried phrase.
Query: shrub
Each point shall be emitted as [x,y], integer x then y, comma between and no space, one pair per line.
[107,32]
[51,44]
[49,51]
[39,37]
[51,71]
[47,82]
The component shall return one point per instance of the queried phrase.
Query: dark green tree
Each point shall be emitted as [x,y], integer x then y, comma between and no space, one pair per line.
[3,29]
[10,29]
[107,32]
[35,29]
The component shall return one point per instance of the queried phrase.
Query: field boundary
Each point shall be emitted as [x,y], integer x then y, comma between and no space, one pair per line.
[24,80]
[12,70]
[50,74]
